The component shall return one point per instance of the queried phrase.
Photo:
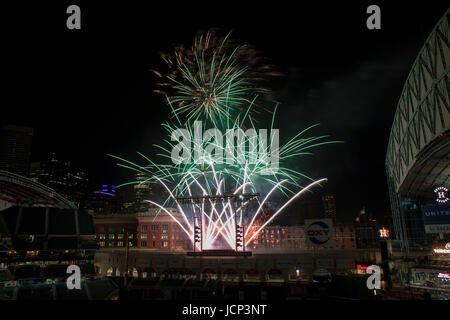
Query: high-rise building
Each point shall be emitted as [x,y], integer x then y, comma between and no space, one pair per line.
[103,200]
[15,149]
[329,207]
[366,229]
[143,191]
[132,198]
[64,178]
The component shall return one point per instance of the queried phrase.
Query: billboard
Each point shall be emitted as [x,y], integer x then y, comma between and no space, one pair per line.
[319,232]
[436,218]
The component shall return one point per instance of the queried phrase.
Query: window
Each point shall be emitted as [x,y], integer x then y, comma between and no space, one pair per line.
[102,243]
[120,236]
[154,227]
[165,244]
[153,236]
[164,236]
[102,228]
[111,244]
[120,244]
[143,236]
[111,229]
[144,228]
[165,227]
[130,236]
[111,236]
[102,236]
[153,244]
[143,243]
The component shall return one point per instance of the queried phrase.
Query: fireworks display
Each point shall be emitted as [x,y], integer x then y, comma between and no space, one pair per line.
[214,79]
[215,82]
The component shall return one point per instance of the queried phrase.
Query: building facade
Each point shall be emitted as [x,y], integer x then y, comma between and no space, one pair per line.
[15,149]
[146,230]
[293,238]
[63,177]
[157,230]
[112,230]
[417,154]
[329,207]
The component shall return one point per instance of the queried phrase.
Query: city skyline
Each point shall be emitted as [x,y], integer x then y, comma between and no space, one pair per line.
[195,152]
[321,85]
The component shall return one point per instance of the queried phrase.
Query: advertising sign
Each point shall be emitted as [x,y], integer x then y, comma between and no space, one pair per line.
[319,232]
[436,218]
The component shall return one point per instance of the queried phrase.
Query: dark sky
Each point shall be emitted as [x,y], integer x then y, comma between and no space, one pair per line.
[89,92]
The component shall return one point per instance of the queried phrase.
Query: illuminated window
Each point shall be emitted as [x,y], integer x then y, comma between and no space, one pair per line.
[102,236]
[165,244]
[143,236]
[130,236]
[111,244]
[111,236]
[164,236]
[120,244]
[120,236]
[102,243]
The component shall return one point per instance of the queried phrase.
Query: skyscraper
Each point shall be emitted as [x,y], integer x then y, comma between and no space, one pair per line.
[15,149]
[63,177]
[143,191]
[329,207]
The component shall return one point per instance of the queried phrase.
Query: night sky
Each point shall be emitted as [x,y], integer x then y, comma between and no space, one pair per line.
[88,92]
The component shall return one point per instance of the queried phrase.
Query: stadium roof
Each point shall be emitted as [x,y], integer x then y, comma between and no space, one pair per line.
[22,191]
[431,169]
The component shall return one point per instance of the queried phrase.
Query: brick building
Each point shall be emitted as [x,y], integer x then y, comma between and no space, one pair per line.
[157,230]
[293,238]
[111,230]
[146,230]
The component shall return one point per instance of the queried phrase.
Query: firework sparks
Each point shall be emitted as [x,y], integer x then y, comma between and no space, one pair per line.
[214,79]
[215,83]
[220,217]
